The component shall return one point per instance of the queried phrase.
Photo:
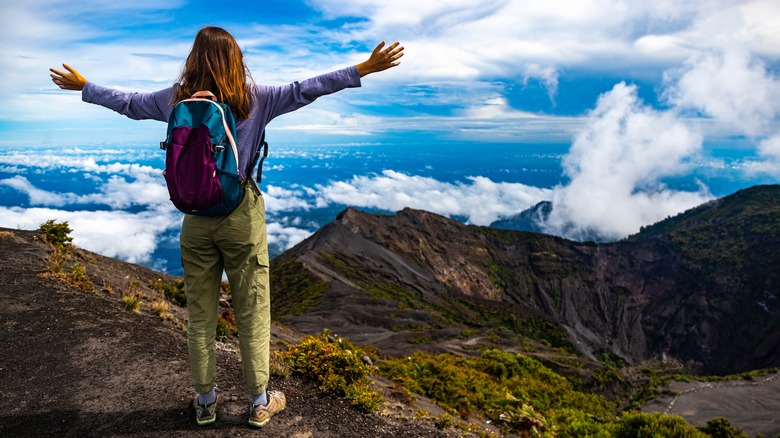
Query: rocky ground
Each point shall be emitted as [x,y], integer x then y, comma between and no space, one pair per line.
[80,364]
[76,363]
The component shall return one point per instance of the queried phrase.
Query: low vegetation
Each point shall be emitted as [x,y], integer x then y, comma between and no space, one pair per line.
[56,233]
[338,366]
[301,290]
[132,302]
[513,391]
[173,291]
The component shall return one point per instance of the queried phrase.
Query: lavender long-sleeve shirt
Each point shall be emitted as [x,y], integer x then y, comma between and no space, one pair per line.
[268,102]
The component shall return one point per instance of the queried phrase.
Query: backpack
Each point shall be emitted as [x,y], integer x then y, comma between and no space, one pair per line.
[201,158]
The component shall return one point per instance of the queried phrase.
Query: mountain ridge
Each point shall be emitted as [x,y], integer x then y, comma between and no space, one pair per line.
[652,296]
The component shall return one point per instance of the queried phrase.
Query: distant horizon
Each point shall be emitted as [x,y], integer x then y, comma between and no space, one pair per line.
[651,107]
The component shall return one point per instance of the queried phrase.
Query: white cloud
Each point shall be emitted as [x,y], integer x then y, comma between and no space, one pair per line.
[477,39]
[279,199]
[616,164]
[38,196]
[469,43]
[731,87]
[770,147]
[481,201]
[285,237]
[119,234]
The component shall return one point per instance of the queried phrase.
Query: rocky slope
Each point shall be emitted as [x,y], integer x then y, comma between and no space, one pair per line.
[78,364]
[701,289]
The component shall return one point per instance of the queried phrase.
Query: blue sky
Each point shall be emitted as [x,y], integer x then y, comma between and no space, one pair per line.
[511,70]
[639,92]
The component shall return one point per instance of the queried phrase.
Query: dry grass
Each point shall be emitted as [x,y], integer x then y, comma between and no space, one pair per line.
[7,235]
[160,307]
[132,302]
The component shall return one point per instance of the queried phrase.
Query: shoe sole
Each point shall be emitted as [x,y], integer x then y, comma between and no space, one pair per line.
[200,422]
[259,424]
[262,423]
[206,422]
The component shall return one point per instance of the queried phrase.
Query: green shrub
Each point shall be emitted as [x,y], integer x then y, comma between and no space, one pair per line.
[173,292]
[57,258]
[225,329]
[56,233]
[336,368]
[655,425]
[79,280]
[512,390]
[722,428]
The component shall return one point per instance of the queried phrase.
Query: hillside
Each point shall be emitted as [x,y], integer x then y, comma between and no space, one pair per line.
[700,290]
[75,362]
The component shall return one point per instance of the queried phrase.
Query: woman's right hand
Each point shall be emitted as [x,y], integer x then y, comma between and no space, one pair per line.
[381,59]
[68,81]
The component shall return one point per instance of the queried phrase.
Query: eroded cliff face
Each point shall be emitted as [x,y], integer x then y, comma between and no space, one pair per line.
[702,289]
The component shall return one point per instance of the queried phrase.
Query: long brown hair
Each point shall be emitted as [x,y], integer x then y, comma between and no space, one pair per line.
[216,64]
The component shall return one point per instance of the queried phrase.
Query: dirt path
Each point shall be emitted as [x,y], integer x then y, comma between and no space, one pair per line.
[753,406]
[77,364]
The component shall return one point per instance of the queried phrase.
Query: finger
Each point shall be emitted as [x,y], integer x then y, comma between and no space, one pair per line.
[69,68]
[57,72]
[397,52]
[378,47]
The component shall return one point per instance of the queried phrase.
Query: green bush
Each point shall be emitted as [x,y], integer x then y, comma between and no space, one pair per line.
[722,428]
[56,233]
[512,390]
[225,329]
[655,425]
[173,292]
[336,368]
[79,280]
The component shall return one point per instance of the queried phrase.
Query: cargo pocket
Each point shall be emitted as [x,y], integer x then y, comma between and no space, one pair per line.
[261,280]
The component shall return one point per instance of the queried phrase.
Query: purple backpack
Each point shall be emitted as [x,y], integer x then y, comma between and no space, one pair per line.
[201,159]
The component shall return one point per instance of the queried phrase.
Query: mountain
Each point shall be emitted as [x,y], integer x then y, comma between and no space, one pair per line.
[527,220]
[701,289]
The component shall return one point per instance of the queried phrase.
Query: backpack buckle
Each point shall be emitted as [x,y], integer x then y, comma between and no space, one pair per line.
[219,148]
[164,145]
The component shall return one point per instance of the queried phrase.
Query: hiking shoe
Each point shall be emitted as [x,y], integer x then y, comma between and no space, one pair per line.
[205,414]
[260,415]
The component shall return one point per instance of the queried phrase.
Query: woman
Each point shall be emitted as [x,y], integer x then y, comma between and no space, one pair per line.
[235,243]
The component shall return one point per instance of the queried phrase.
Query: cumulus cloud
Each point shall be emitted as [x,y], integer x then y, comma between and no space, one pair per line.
[731,87]
[481,201]
[616,165]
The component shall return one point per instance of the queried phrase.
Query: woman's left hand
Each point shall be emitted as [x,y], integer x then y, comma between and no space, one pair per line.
[381,58]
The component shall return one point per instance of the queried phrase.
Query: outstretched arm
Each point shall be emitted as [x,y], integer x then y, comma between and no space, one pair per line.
[68,81]
[381,59]
[138,106]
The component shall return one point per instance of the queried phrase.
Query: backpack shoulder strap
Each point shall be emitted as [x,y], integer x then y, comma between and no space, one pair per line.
[258,159]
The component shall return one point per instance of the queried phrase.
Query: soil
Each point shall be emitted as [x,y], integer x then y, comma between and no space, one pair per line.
[80,364]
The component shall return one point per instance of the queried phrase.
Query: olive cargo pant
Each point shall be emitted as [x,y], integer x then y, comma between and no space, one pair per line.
[238,244]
